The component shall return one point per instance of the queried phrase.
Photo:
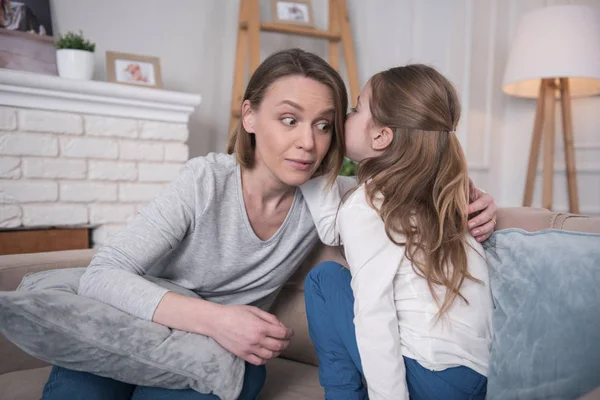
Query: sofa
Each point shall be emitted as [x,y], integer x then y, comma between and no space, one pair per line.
[292,376]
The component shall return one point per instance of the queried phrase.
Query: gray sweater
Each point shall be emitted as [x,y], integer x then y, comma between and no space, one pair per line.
[196,234]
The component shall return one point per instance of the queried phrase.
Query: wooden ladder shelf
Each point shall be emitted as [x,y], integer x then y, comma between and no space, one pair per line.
[247,56]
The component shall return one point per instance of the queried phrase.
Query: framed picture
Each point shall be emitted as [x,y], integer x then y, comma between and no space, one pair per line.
[26,36]
[133,69]
[31,16]
[297,12]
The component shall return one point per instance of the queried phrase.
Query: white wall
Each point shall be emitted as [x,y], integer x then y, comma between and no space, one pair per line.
[468,40]
[195,40]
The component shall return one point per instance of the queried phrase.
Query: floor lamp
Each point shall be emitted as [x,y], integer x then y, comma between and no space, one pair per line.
[555,54]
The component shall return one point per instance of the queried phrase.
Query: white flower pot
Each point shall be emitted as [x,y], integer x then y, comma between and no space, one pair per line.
[75,64]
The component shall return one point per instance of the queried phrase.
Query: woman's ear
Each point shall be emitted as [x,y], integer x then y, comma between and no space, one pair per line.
[381,138]
[248,116]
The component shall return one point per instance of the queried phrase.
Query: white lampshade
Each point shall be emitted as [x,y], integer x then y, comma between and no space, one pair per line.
[555,42]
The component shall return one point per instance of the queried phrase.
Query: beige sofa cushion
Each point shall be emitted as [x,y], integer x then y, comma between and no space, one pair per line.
[24,385]
[13,267]
[537,219]
[290,380]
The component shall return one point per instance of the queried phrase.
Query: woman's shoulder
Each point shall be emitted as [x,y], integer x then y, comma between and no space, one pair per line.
[213,164]
[205,179]
[207,172]
[212,161]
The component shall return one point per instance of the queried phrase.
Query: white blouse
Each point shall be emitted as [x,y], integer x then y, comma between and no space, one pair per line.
[394,311]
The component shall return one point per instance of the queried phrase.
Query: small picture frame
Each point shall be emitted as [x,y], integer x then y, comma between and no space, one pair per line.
[133,69]
[296,12]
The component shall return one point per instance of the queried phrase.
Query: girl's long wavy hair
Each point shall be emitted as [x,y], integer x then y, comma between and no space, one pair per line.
[422,175]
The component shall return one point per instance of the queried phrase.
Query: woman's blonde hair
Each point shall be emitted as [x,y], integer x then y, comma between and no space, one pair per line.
[289,63]
[422,175]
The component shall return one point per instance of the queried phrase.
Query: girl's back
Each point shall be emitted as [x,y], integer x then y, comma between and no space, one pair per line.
[464,332]
[462,336]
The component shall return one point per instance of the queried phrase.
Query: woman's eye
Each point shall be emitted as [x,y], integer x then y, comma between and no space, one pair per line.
[324,126]
[289,121]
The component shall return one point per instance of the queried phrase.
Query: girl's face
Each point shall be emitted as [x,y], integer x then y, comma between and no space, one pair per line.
[293,128]
[360,129]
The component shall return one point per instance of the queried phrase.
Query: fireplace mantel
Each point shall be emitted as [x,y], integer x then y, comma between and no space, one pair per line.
[47,92]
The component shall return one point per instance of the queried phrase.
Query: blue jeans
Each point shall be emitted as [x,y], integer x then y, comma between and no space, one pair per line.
[68,384]
[330,313]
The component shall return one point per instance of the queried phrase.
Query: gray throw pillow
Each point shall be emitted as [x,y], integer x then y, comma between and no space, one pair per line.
[546,290]
[47,319]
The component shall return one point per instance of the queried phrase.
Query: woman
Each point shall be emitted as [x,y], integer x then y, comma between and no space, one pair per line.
[233,228]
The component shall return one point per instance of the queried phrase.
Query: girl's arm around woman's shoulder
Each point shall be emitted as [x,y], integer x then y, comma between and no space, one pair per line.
[324,202]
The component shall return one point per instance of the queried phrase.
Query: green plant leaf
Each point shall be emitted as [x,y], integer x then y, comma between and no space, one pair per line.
[74,41]
[348,168]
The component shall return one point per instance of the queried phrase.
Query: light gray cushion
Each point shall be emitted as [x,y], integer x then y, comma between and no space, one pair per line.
[546,290]
[47,319]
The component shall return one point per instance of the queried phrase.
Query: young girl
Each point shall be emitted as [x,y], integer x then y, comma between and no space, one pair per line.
[418,287]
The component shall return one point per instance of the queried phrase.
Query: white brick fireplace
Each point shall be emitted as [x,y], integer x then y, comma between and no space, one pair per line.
[77,153]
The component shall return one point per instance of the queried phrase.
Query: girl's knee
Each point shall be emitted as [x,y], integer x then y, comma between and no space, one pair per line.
[323,273]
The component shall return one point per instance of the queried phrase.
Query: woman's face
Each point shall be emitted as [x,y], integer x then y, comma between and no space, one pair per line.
[293,128]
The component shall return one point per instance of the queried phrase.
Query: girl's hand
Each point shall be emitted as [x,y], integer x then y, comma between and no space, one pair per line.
[250,333]
[483,207]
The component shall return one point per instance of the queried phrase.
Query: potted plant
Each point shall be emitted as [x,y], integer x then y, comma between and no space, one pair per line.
[75,56]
